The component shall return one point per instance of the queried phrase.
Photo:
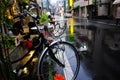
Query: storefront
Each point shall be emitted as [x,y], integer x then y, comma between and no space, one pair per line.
[76,11]
[85,8]
[103,7]
[76,8]
[115,4]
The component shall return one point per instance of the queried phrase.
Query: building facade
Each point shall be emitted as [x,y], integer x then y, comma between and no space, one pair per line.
[93,8]
[45,5]
[81,8]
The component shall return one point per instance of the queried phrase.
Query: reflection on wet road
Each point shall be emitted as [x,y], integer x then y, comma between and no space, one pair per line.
[84,73]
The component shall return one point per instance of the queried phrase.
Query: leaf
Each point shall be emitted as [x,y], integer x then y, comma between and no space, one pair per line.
[8,41]
[44,18]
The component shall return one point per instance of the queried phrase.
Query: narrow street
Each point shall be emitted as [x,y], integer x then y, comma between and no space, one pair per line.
[85,73]
[88,47]
[95,58]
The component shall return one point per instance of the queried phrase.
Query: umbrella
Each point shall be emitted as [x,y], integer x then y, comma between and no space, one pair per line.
[116,2]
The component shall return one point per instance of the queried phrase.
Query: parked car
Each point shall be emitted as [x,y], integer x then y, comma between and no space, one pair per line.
[67,15]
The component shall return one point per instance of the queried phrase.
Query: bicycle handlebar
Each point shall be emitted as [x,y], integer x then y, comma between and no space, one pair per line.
[36,18]
[32,3]
[25,12]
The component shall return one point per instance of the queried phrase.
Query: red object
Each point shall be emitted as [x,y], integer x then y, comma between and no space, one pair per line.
[59,77]
[27,43]
[44,33]
[53,19]
[50,41]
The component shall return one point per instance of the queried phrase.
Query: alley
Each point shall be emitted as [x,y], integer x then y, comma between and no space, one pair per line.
[64,39]
[97,50]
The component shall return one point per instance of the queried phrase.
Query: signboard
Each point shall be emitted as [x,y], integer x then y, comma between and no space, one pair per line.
[70,2]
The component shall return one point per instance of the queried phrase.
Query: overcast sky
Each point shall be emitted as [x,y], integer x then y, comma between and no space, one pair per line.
[53,1]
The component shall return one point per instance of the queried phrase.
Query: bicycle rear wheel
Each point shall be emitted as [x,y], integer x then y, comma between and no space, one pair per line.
[67,55]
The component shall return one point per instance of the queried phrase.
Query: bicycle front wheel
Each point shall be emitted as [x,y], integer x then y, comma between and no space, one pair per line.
[67,54]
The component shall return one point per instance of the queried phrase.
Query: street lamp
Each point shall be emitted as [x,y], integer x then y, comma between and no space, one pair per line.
[48,5]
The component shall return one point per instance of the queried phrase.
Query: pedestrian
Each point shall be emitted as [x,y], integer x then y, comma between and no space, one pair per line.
[118,15]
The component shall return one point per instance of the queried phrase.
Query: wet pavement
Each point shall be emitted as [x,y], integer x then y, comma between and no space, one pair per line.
[106,48]
[85,72]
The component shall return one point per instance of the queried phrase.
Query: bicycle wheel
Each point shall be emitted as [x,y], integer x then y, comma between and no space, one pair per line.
[66,54]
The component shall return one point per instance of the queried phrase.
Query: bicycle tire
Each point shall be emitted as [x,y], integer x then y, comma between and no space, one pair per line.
[47,68]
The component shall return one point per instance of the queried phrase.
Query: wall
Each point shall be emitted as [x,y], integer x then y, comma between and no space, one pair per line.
[83,7]
[103,7]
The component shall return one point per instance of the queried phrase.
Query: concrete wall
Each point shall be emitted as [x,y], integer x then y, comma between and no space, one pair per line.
[102,10]
[83,11]
[103,7]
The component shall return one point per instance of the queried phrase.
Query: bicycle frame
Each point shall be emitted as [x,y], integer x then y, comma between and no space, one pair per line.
[47,45]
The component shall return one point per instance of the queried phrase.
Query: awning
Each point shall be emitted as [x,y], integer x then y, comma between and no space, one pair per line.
[76,7]
[70,9]
[116,2]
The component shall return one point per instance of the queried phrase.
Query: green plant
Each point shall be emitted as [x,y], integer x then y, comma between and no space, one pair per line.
[8,41]
[5,40]
[4,7]
[44,18]
[25,1]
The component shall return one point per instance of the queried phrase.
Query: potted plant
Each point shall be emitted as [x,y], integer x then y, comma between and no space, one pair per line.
[44,18]
[5,41]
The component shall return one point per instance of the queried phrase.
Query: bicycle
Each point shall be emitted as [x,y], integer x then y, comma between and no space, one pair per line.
[56,29]
[54,59]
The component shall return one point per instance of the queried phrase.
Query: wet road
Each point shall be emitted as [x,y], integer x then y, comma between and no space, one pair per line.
[104,61]
[105,47]
[84,72]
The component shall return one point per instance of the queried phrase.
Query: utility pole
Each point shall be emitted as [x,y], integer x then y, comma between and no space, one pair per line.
[64,6]
[88,15]
[48,5]
[95,8]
